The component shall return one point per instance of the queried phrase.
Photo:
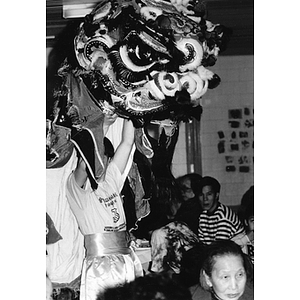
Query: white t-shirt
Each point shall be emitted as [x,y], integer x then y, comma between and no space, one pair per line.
[101,210]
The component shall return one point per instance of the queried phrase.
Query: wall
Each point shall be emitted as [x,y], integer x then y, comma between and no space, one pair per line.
[236,91]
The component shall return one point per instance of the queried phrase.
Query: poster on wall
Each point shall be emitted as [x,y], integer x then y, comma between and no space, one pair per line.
[236,142]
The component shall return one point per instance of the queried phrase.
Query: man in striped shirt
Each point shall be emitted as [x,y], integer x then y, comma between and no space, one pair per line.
[217,221]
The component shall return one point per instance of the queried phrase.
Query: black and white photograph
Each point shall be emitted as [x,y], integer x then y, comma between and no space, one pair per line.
[149,180]
[150,149]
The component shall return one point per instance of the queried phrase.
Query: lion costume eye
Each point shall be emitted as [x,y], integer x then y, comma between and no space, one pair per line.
[133,60]
[137,57]
[86,48]
[193,52]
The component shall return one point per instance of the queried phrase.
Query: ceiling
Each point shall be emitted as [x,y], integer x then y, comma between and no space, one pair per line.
[235,14]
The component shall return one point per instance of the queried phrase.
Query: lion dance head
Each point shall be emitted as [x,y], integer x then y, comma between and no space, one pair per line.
[146,60]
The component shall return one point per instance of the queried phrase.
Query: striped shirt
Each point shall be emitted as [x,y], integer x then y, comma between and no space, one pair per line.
[223,224]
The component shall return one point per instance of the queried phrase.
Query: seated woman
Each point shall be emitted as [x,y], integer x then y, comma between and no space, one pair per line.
[225,273]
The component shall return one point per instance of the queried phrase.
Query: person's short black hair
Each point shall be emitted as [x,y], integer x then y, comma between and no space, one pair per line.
[159,286]
[208,181]
[194,178]
[247,203]
[65,294]
[249,211]
[191,264]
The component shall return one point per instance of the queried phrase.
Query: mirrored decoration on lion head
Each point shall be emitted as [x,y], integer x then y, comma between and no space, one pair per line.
[148,59]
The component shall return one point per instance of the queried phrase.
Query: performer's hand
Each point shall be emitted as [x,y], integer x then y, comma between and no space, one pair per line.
[109,119]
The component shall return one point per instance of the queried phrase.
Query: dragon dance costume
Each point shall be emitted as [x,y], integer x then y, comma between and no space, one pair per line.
[145,60]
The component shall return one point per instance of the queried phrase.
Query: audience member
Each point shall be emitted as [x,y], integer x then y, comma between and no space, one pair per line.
[217,221]
[225,274]
[155,286]
[190,208]
[191,264]
[169,242]
[246,240]
[100,214]
[247,199]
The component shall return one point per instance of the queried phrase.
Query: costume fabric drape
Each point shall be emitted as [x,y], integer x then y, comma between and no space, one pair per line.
[109,262]
[64,258]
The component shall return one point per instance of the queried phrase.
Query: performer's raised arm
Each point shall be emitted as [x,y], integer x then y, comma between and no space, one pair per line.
[123,151]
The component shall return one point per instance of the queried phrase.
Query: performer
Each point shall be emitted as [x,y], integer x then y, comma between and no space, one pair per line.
[99,212]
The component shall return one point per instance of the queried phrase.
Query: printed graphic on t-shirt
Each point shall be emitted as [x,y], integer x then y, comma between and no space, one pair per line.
[114,229]
[116,215]
[109,201]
